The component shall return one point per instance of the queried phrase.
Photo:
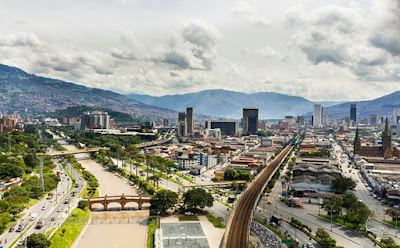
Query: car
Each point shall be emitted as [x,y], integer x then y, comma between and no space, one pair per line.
[66,201]
[189,213]
[52,200]
[360,201]
[53,218]
[309,245]
[58,210]
[11,229]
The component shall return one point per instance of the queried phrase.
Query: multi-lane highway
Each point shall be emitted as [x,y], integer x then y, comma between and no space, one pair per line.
[52,212]
[237,230]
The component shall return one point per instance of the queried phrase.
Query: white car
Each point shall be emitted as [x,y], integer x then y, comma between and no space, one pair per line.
[58,210]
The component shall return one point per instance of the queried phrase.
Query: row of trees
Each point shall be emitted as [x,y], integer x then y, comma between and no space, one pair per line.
[18,197]
[92,182]
[357,212]
[193,198]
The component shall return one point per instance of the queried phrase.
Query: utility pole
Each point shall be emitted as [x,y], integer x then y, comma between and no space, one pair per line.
[147,165]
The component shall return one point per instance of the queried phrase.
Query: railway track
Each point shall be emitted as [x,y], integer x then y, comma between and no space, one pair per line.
[238,228]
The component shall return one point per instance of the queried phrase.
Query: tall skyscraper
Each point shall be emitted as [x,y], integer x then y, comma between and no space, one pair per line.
[189,120]
[327,119]
[353,112]
[317,115]
[396,115]
[250,120]
[182,125]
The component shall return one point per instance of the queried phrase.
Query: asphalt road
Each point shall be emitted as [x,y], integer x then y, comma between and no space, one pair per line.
[49,212]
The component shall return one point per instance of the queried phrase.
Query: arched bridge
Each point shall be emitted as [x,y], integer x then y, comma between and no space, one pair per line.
[121,199]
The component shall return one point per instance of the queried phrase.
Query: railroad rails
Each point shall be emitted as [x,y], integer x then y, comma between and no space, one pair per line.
[238,228]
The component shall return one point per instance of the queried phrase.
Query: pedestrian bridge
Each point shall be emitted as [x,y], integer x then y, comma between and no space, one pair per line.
[121,199]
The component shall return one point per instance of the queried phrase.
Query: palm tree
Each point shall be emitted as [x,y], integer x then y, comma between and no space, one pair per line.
[155,180]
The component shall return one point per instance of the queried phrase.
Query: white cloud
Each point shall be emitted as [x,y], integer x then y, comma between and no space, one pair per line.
[250,12]
[193,47]
[341,36]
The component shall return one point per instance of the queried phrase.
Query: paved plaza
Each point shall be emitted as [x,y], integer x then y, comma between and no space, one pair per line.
[183,235]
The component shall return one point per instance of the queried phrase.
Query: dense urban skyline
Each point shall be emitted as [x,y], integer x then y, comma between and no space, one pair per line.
[318,50]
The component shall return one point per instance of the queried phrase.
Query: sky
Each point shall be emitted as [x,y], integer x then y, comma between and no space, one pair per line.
[321,50]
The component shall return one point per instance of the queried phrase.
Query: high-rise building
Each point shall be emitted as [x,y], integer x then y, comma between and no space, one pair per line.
[353,113]
[396,115]
[166,122]
[300,121]
[228,127]
[250,120]
[189,120]
[95,120]
[327,119]
[290,120]
[317,115]
[182,125]
[374,119]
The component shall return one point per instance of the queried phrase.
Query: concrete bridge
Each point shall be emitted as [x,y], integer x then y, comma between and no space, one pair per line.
[121,199]
[76,151]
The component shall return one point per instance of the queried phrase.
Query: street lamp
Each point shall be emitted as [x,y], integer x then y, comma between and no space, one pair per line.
[330,207]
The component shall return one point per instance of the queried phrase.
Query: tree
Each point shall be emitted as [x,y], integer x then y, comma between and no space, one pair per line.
[198,197]
[333,205]
[163,200]
[234,186]
[358,215]
[230,174]
[8,171]
[37,240]
[31,160]
[349,200]
[83,204]
[325,238]
[341,184]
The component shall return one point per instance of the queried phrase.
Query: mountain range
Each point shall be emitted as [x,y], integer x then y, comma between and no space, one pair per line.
[24,92]
[229,104]
[382,106]
[28,93]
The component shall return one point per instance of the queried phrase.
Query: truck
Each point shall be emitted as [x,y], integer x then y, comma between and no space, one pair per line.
[49,196]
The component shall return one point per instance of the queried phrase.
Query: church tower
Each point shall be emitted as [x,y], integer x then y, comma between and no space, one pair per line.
[357,144]
[387,142]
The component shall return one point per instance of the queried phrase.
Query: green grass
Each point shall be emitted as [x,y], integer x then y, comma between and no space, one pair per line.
[392,222]
[73,225]
[184,177]
[49,232]
[215,221]
[85,192]
[153,225]
[338,220]
[188,218]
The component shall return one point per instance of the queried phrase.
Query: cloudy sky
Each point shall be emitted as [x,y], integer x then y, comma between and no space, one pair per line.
[320,50]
